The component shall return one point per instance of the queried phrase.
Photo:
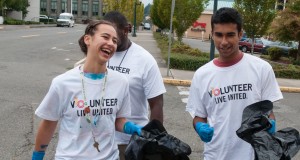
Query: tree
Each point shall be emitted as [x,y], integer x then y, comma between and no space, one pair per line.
[16,5]
[126,7]
[286,26]
[257,16]
[164,12]
[155,17]
[182,19]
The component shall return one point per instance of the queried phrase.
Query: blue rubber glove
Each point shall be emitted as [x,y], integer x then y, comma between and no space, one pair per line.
[273,128]
[204,131]
[38,155]
[130,128]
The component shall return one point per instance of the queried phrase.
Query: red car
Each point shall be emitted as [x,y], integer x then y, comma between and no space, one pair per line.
[247,44]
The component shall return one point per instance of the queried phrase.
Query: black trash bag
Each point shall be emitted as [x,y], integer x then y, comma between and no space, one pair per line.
[156,144]
[283,145]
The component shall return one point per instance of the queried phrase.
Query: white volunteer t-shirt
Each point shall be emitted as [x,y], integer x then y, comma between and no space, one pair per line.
[64,102]
[145,82]
[221,94]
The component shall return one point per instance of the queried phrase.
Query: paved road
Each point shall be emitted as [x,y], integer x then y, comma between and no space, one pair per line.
[30,58]
[197,43]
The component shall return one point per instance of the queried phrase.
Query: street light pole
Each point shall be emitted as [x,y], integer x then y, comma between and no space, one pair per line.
[170,32]
[134,20]
[212,44]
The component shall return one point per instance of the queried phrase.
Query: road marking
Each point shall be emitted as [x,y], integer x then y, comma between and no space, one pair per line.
[59,49]
[184,92]
[36,35]
[63,50]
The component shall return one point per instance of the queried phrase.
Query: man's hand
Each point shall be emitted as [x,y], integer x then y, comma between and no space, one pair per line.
[272,130]
[38,155]
[204,131]
[130,128]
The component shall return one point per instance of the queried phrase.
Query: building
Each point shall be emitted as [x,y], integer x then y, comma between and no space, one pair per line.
[201,29]
[81,9]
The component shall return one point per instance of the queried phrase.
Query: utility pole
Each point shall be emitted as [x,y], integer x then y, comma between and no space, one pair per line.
[212,44]
[134,18]
[170,32]
[71,7]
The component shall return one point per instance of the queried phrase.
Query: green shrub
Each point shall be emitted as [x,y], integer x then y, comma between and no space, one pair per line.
[295,62]
[180,47]
[293,53]
[265,56]
[11,21]
[275,53]
[43,20]
[31,22]
[287,73]
[186,62]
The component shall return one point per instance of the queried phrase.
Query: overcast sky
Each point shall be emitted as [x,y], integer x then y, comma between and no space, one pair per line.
[146,2]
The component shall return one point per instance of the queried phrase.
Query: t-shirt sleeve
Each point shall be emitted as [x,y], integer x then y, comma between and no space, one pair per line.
[124,108]
[49,108]
[152,81]
[195,106]
[270,88]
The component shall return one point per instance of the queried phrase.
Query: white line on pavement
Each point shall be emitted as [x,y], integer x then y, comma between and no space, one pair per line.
[28,36]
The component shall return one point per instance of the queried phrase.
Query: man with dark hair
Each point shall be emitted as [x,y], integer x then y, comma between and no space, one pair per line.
[146,86]
[223,87]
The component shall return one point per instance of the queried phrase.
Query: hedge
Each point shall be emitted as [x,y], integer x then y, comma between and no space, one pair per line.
[186,62]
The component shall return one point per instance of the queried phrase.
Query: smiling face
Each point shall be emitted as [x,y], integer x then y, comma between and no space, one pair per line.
[226,38]
[102,45]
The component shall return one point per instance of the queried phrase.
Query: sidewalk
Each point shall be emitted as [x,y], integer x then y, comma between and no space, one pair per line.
[181,77]
[16,27]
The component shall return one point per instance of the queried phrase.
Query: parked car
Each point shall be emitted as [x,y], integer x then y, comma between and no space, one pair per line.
[285,47]
[247,44]
[147,26]
[65,19]
[44,18]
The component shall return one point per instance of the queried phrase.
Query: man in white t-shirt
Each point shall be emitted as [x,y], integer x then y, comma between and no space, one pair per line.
[222,88]
[145,81]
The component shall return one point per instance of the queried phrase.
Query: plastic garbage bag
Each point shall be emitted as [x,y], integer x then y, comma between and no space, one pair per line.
[283,145]
[156,144]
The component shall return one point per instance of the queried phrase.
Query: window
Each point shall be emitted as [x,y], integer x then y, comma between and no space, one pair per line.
[85,7]
[43,5]
[95,7]
[74,7]
[63,6]
[53,6]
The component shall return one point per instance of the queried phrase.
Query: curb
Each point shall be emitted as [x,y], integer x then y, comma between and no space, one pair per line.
[177,82]
[187,83]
